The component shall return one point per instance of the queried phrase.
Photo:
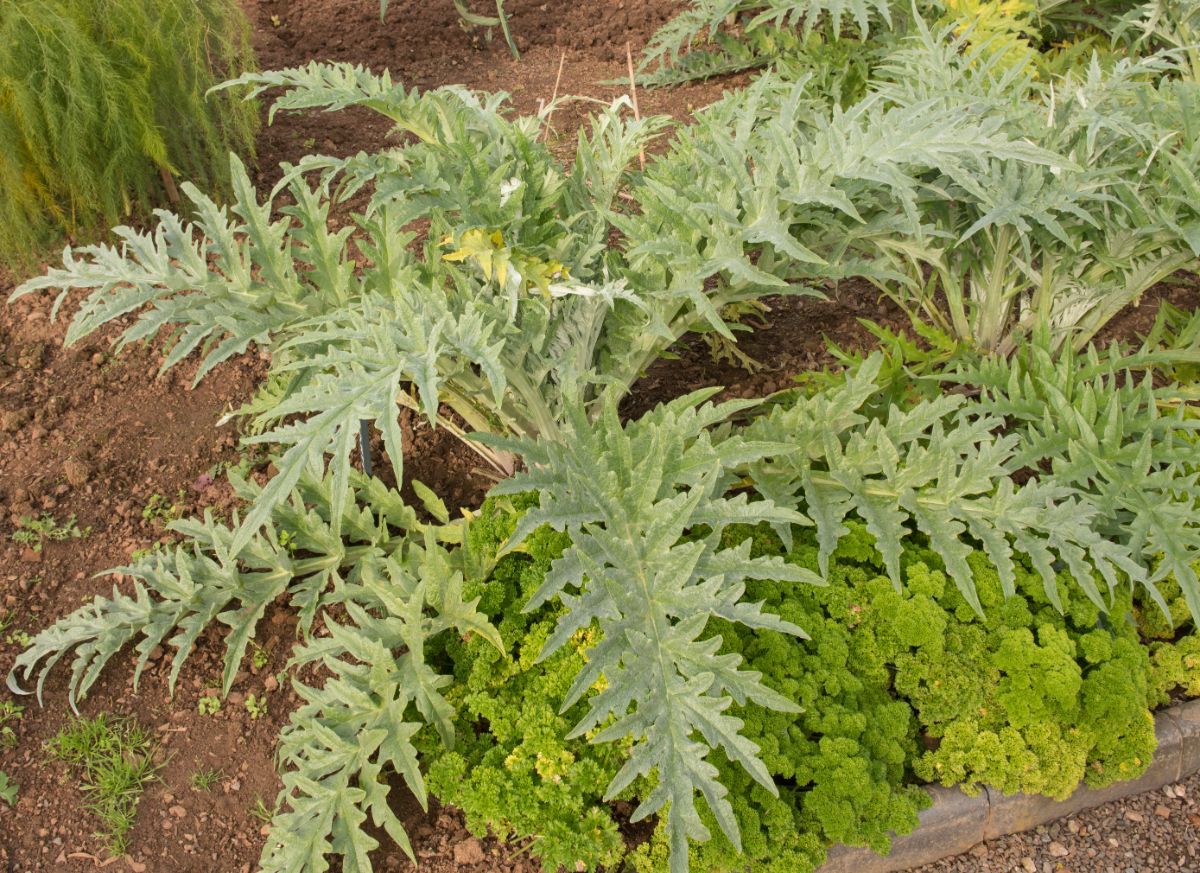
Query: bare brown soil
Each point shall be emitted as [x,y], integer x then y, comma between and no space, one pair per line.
[96,435]
[424,45]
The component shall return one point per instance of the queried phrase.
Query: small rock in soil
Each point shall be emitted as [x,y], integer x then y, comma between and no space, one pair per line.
[469,851]
[13,419]
[1058,850]
[77,472]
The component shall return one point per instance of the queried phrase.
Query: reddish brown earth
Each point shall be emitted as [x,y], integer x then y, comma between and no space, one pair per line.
[90,434]
[424,46]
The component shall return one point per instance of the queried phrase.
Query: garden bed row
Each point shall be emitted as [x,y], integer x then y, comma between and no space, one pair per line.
[969,559]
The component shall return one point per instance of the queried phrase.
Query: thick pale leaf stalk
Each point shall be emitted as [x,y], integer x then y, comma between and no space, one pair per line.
[506,310]
[1062,243]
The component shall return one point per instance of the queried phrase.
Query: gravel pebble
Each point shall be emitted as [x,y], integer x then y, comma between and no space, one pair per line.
[1154,832]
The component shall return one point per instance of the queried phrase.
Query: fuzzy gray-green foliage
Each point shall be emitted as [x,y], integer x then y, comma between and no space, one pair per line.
[1099,425]
[396,580]
[518,318]
[628,497]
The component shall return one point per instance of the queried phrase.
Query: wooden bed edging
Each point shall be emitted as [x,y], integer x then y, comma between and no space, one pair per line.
[957,822]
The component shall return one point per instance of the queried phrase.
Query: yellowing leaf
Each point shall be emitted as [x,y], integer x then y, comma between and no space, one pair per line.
[485,249]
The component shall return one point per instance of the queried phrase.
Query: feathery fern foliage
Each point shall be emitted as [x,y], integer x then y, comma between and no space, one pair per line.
[99,99]
[515,299]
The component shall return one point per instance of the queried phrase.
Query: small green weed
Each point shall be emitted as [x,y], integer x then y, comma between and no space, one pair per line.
[258,655]
[248,460]
[10,713]
[256,706]
[8,790]
[139,554]
[262,812]
[33,532]
[287,539]
[159,509]
[209,705]
[116,760]
[18,638]
[205,779]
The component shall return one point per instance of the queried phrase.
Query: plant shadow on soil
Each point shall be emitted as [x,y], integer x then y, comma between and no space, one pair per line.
[86,432]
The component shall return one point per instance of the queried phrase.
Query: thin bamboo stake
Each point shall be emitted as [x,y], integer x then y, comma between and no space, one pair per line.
[637,114]
[562,60]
